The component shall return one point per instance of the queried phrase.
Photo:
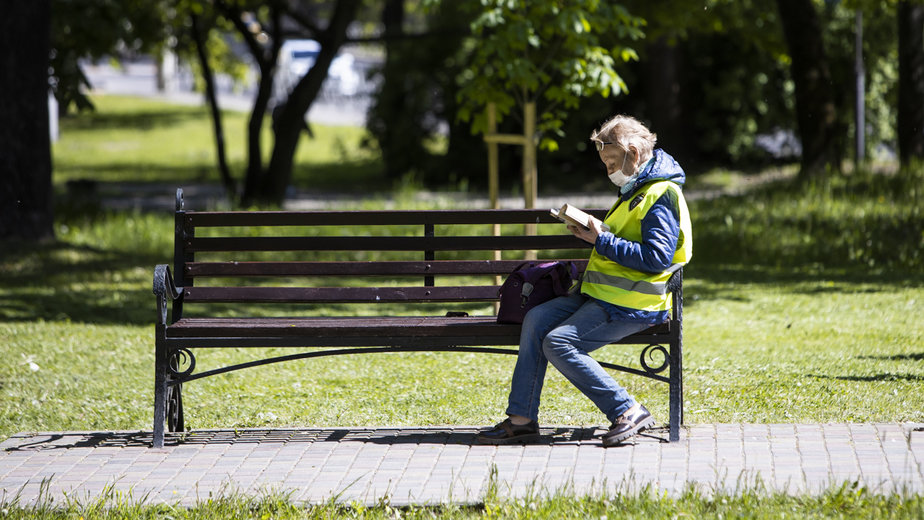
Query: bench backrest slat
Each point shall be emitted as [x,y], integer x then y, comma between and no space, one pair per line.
[384,243]
[339,294]
[383,268]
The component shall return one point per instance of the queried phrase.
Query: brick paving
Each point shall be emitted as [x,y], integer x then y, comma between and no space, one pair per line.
[431,465]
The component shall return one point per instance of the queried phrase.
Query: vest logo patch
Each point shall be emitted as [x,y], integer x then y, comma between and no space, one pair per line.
[636,201]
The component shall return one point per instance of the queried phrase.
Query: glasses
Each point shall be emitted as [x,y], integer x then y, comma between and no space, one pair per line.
[601,144]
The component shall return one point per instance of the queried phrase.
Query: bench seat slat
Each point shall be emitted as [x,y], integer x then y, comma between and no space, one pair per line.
[481,330]
[385,243]
[385,268]
[339,294]
[343,326]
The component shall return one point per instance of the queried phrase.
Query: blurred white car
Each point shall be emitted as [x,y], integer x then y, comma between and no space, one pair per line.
[296,57]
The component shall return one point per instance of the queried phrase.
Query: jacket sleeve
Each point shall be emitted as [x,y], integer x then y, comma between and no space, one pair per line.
[660,232]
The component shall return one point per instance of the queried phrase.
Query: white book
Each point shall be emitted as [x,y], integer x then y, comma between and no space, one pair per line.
[572,215]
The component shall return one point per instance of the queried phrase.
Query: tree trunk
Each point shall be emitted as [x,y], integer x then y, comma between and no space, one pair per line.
[663,99]
[815,107]
[25,147]
[254,177]
[226,179]
[291,120]
[910,82]
[266,59]
[399,147]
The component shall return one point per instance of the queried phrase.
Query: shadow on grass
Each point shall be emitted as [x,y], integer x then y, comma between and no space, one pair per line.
[113,172]
[362,176]
[703,281]
[873,378]
[898,357]
[142,119]
[61,281]
[97,197]
[324,182]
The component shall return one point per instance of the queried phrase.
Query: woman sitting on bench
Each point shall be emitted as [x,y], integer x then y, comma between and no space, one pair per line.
[623,291]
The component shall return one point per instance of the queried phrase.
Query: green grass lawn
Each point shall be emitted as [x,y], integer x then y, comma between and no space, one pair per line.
[144,141]
[801,306]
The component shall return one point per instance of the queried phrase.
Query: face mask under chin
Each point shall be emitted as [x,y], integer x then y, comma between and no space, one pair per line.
[618,177]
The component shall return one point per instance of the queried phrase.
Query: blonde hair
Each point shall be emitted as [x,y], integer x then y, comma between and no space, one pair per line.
[627,131]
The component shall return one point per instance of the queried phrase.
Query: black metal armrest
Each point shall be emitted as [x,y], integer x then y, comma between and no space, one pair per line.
[164,287]
[675,282]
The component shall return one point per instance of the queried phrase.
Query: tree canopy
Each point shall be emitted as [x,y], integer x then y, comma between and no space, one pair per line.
[550,53]
[712,77]
[94,29]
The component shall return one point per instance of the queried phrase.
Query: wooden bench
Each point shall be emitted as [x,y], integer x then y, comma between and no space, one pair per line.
[283,261]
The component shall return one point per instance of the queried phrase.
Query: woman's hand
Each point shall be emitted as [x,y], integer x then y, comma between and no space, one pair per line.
[587,235]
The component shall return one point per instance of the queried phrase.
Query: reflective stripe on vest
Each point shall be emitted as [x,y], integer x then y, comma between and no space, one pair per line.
[639,286]
[607,280]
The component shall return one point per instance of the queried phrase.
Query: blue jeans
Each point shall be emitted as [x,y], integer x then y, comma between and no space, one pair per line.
[564,331]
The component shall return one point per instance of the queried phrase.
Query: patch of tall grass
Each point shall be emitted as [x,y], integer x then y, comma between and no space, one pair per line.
[845,501]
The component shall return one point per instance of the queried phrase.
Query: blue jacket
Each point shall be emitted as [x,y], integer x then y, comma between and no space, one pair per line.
[660,232]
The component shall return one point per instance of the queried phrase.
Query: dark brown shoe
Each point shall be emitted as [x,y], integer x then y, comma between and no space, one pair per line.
[627,426]
[508,433]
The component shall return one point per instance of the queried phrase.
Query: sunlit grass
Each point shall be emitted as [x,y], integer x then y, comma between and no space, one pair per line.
[845,501]
[136,140]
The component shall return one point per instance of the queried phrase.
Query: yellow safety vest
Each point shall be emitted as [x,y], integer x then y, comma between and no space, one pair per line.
[609,281]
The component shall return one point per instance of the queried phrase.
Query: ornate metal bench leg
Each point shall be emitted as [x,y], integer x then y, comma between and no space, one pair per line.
[676,390]
[160,394]
[175,422]
[168,393]
[180,363]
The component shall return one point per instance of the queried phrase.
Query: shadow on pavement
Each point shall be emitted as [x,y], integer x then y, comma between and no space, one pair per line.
[466,436]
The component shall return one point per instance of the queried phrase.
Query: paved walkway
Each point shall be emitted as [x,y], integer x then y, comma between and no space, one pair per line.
[438,465]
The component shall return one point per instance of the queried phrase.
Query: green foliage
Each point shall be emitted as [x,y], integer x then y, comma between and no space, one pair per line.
[733,77]
[219,37]
[545,52]
[117,27]
[873,222]
[417,95]
[880,63]
[727,62]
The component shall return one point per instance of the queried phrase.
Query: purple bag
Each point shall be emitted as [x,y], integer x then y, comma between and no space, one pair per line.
[530,284]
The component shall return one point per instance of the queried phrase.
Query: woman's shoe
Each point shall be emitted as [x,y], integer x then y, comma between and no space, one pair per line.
[628,424]
[508,433]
